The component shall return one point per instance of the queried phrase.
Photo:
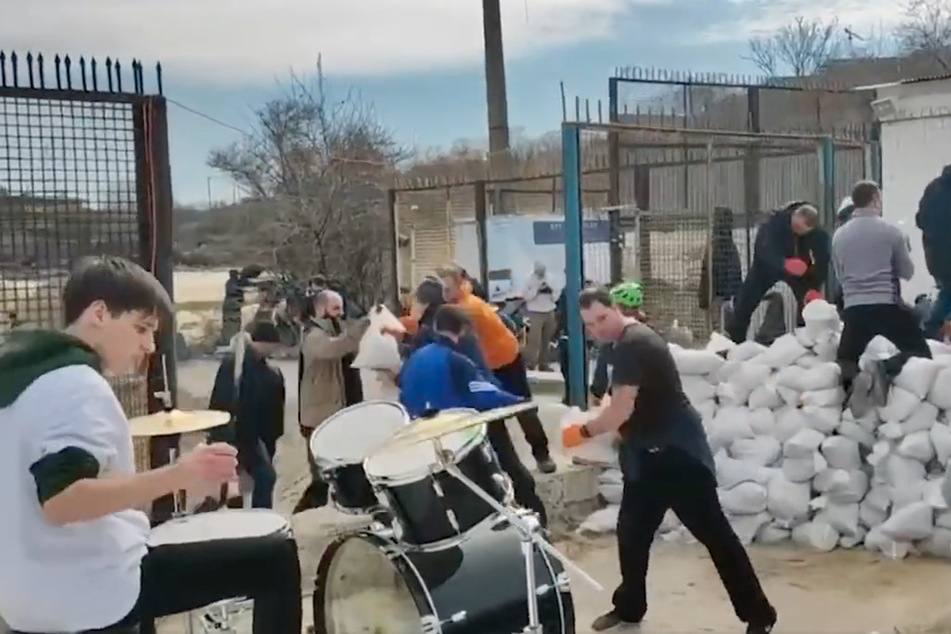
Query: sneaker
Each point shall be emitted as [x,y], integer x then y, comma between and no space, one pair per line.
[546,464]
[860,400]
[610,620]
[753,628]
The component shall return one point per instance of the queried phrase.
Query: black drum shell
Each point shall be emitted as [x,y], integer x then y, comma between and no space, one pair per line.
[350,488]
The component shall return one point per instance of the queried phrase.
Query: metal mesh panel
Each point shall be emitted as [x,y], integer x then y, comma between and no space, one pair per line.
[67,189]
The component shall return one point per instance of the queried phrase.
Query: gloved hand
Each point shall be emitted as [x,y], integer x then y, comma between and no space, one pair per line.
[796,267]
[572,436]
[811,296]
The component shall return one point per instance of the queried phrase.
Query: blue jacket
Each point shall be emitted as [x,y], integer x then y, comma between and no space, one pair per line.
[437,377]
[934,220]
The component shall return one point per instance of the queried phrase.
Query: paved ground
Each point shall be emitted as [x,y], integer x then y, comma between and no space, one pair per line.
[837,593]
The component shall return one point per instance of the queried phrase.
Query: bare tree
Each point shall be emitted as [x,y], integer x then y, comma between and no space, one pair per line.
[315,169]
[927,29]
[800,49]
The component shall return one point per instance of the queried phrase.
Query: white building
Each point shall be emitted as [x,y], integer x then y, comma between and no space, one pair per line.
[915,117]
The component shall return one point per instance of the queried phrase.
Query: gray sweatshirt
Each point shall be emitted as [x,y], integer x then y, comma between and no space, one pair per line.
[870,256]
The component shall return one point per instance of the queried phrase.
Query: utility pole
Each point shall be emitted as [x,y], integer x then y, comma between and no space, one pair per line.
[495,96]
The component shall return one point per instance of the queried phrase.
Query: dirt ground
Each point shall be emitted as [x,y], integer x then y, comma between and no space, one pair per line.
[842,592]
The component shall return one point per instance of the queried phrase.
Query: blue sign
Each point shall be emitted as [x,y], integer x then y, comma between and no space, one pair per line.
[553,231]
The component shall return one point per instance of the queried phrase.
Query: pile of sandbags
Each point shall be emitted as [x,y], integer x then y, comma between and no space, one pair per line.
[793,463]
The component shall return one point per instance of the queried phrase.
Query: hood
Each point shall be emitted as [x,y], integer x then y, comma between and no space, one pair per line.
[27,355]
[946,173]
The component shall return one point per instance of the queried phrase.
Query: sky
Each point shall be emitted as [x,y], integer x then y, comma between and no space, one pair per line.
[418,62]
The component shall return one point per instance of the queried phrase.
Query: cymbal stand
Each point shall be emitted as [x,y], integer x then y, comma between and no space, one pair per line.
[179,503]
[528,528]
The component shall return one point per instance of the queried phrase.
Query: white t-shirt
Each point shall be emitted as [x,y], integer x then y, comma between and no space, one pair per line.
[80,576]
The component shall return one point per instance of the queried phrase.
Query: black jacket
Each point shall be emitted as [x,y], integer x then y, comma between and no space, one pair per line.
[934,220]
[776,241]
[727,274]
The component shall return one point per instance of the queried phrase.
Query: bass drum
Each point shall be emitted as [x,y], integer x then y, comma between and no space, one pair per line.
[366,582]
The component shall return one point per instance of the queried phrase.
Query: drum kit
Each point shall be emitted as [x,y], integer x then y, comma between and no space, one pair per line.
[445,553]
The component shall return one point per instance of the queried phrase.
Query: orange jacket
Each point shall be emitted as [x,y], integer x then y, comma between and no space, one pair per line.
[499,345]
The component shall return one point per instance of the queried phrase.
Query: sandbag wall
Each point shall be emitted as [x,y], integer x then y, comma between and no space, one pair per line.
[793,463]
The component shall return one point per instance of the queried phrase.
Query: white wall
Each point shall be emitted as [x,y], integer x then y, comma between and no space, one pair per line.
[915,148]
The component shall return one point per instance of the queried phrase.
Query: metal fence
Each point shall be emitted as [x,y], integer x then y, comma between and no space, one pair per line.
[84,170]
[684,212]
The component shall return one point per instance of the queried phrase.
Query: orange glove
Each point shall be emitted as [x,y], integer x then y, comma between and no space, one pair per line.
[811,296]
[572,436]
[796,267]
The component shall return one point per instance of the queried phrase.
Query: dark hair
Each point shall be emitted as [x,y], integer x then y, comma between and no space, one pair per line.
[451,320]
[265,332]
[123,286]
[864,193]
[595,295]
[430,291]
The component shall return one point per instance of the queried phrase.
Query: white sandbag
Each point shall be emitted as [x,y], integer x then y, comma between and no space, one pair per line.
[697,362]
[937,545]
[891,431]
[790,396]
[765,396]
[827,349]
[824,376]
[917,376]
[878,349]
[844,518]
[902,472]
[732,472]
[746,498]
[598,451]
[719,344]
[851,541]
[845,487]
[917,446]
[611,486]
[830,397]
[908,524]
[899,405]
[939,348]
[746,351]
[792,376]
[697,389]
[378,351]
[805,338]
[819,317]
[601,521]
[762,422]
[379,385]
[810,361]
[729,424]
[933,495]
[943,520]
[877,542]
[923,418]
[841,453]
[762,451]
[823,419]
[788,501]
[707,409]
[803,444]
[940,392]
[783,352]
[737,389]
[803,469]
[746,527]
[817,535]
[852,430]
[789,421]
[940,436]
[772,534]
[724,373]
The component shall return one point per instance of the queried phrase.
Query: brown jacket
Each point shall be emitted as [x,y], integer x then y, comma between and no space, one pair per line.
[322,388]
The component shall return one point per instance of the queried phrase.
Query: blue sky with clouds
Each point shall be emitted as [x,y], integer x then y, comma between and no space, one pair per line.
[418,61]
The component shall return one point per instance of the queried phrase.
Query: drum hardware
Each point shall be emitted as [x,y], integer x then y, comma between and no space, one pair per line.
[528,527]
[218,616]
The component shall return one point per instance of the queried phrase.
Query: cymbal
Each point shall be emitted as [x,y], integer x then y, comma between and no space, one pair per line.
[434,428]
[176,422]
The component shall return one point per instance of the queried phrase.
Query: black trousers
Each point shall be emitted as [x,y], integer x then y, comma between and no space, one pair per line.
[895,322]
[523,483]
[673,480]
[514,379]
[317,493]
[758,281]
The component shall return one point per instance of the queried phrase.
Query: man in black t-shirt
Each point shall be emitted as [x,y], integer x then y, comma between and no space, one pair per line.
[667,464]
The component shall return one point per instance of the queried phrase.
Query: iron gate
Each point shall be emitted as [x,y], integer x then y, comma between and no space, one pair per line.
[84,170]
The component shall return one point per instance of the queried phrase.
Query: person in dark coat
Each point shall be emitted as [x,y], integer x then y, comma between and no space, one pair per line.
[722,285]
[791,247]
[255,399]
[934,220]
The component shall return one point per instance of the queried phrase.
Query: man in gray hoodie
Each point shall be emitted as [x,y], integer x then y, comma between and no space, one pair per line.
[870,257]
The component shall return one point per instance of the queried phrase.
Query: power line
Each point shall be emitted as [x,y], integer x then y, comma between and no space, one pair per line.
[208,117]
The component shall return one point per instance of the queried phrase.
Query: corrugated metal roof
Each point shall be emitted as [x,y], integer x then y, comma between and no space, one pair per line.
[903,82]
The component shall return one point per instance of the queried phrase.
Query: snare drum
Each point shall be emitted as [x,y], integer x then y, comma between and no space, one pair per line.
[220,525]
[366,582]
[342,443]
[432,509]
